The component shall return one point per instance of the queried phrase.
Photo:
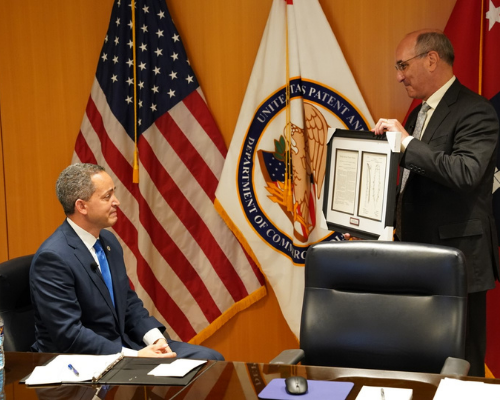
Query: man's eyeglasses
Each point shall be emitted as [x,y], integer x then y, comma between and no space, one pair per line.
[402,65]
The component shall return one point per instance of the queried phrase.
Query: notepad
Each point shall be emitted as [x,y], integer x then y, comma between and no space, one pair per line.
[178,368]
[387,393]
[85,368]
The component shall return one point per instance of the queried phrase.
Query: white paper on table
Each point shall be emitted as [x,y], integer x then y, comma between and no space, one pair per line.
[375,392]
[178,368]
[89,367]
[457,390]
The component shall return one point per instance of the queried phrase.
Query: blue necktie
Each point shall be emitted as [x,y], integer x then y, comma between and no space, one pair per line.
[103,263]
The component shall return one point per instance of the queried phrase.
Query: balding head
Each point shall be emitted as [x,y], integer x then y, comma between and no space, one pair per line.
[425,62]
[435,40]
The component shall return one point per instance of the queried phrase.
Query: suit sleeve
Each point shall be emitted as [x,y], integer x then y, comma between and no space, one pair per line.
[471,131]
[54,286]
[137,319]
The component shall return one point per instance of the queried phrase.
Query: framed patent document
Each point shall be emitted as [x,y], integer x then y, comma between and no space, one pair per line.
[361,179]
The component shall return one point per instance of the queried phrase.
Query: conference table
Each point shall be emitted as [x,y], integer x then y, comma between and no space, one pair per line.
[216,380]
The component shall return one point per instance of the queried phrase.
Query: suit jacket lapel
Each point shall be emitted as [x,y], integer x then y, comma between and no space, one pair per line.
[85,258]
[441,111]
[438,116]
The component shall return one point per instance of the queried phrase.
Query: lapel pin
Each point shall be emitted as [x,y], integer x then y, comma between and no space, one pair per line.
[109,248]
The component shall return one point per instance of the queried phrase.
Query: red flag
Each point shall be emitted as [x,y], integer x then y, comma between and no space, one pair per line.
[474,31]
[185,264]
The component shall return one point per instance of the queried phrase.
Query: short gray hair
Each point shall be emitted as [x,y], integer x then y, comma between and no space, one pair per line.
[75,182]
[438,42]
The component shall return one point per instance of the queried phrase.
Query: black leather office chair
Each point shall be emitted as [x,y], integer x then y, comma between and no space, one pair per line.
[15,304]
[383,305]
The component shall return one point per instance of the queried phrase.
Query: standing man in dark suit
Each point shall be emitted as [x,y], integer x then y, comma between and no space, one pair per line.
[446,192]
[82,298]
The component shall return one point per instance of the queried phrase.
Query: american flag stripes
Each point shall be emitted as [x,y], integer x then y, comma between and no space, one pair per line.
[181,258]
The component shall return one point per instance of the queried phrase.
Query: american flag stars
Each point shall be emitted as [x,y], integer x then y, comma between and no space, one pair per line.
[167,79]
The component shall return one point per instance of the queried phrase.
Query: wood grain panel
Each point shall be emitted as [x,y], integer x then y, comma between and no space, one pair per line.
[4,253]
[49,52]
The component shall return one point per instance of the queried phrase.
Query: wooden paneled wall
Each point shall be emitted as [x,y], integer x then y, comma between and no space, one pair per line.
[48,57]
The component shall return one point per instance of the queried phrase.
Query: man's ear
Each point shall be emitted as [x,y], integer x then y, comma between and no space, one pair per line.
[433,58]
[81,207]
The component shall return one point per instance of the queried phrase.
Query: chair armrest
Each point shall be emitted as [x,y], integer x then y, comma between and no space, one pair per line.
[455,366]
[291,356]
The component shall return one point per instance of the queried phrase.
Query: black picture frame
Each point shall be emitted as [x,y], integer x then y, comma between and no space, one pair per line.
[361,183]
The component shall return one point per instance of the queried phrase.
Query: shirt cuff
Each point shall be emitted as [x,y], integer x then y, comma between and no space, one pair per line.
[405,142]
[152,336]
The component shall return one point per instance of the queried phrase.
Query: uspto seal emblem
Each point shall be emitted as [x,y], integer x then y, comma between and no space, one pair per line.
[281,170]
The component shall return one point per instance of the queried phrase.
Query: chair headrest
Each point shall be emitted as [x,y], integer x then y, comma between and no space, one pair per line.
[386,267]
[14,283]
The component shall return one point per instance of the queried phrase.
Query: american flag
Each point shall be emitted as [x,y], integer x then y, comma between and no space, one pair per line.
[183,261]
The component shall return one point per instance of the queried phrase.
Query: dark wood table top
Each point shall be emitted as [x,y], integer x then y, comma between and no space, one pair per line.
[217,380]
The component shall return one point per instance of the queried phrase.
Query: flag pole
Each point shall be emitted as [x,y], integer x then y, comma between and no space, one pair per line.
[481,38]
[288,140]
[135,177]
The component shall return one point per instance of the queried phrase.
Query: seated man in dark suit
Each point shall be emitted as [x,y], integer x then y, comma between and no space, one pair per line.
[79,286]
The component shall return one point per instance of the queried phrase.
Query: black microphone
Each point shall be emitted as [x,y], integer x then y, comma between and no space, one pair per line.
[94,266]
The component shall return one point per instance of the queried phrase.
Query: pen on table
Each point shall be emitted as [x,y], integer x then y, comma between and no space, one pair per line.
[382,394]
[73,369]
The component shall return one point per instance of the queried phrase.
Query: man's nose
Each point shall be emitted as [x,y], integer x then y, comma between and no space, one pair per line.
[400,76]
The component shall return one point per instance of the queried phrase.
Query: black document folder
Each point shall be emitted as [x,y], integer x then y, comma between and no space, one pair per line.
[134,371]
